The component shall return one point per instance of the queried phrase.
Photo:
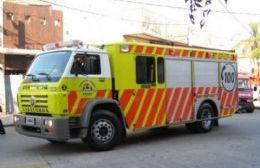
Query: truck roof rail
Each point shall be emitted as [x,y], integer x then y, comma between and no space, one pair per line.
[70,44]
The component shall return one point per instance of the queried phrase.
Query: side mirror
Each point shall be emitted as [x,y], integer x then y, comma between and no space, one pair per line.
[255,88]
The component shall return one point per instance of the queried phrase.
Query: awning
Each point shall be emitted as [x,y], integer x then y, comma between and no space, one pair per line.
[15,51]
[153,39]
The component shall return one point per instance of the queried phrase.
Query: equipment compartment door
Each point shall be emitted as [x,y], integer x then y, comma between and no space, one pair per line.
[206,83]
[179,90]
[228,89]
[146,109]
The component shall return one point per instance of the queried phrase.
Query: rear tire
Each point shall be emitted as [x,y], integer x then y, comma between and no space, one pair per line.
[105,131]
[205,122]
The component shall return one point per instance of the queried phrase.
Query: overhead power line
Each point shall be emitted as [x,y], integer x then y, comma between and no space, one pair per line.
[184,8]
[235,18]
[104,15]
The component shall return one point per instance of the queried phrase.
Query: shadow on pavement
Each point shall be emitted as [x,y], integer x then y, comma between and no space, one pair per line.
[157,135]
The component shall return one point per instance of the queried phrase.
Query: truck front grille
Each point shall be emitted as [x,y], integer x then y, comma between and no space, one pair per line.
[34,103]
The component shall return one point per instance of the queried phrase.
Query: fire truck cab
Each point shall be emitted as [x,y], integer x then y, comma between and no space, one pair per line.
[97,94]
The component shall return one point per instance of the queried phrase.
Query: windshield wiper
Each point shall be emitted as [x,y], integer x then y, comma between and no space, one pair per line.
[45,74]
[33,77]
[30,75]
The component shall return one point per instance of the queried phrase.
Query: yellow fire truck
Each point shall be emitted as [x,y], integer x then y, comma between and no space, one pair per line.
[78,91]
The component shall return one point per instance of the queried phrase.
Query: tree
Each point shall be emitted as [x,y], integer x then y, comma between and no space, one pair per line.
[200,5]
[251,47]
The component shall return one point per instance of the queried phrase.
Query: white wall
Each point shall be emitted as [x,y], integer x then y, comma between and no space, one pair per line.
[12,83]
[2,91]
[116,19]
[244,65]
[2,84]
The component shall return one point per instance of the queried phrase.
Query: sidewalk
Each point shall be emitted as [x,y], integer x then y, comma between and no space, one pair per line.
[257,104]
[7,119]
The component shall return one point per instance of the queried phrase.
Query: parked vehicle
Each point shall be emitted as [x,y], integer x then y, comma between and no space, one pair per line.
[97,94]
[245,93]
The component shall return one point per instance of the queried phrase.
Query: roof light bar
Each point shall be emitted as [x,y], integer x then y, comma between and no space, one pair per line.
[71,43]
[124,48]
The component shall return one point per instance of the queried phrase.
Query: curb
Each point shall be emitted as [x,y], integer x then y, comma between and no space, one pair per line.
[257,104]
[7,120]
[8,125]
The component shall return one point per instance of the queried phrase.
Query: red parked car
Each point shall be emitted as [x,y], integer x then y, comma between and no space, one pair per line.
[245,93]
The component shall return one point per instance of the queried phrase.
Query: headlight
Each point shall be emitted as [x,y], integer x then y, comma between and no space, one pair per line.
[49,123]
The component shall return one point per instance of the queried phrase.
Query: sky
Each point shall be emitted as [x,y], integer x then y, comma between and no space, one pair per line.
[109,18]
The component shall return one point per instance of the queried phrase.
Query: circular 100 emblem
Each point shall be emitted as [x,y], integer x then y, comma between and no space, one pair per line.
[228,76]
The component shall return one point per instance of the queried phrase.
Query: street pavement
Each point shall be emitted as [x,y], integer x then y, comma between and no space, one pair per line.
[234,144]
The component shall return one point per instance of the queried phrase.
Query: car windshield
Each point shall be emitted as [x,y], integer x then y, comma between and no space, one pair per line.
[48,67]
[243,84]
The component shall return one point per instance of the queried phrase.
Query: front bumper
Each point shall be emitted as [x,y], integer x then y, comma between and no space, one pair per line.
[36,126]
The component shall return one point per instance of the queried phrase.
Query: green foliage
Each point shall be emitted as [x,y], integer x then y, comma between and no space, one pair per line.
[251,45]
[256,53]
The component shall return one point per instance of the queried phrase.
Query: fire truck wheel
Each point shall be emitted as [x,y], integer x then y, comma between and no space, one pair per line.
[105,131]
[205,114]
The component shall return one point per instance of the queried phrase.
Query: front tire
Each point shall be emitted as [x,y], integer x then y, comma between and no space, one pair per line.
[251,110]
[105,131]
[205,122]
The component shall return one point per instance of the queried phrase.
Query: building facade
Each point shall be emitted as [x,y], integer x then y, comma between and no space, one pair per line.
[25,26]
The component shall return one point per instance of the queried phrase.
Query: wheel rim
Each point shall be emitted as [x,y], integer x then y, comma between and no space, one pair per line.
[102,131]
[206,118]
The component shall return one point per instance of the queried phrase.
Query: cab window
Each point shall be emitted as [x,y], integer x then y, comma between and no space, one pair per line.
[145,70]
[160,70]
[86,64]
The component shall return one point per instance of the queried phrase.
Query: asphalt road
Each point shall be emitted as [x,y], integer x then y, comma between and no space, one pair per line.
[234,144]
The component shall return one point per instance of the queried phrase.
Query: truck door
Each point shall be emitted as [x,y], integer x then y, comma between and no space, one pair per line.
[150,80]
[89,80]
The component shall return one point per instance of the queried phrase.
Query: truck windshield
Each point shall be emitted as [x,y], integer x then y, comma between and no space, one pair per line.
[48,67]
[243,84]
